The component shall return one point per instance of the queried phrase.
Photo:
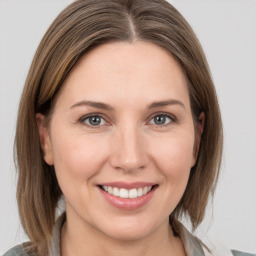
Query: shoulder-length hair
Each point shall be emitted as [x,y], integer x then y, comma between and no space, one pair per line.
[82,26]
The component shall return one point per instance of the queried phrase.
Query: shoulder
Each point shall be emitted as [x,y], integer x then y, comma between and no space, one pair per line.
[17,251]
[193,246]
[238,253]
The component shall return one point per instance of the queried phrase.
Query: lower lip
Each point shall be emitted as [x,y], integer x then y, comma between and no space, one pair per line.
[128,204]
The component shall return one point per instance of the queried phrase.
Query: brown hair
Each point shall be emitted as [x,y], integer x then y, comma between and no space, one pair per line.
[83,25]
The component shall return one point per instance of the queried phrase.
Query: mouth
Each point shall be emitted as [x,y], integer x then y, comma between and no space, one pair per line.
[126,193]
[128,196]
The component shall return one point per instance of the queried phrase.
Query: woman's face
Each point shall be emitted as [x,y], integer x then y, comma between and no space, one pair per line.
[121,127]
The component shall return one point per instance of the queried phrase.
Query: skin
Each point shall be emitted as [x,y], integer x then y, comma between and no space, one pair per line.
[128,145]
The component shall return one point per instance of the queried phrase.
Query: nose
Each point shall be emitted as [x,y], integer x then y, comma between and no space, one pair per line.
[129,150]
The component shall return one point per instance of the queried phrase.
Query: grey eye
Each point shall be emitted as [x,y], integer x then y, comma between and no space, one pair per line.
[94,121]
[160,120]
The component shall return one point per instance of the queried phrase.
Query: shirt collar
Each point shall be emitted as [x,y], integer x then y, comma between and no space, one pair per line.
[191,244]
[55,243]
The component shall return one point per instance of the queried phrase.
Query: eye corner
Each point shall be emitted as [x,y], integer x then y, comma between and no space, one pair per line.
[94,121]
[162,121]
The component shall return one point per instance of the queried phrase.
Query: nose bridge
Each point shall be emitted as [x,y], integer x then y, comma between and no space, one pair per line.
[129,148]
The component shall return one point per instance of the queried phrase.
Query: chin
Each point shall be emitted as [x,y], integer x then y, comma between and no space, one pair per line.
[129,230]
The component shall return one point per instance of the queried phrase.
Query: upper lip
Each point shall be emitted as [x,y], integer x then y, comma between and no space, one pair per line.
[127,185]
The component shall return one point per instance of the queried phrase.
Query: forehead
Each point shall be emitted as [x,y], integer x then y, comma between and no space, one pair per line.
[126,71]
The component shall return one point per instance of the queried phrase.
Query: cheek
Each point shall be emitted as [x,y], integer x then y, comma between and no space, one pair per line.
[173,160]
[77,158]
[175,157]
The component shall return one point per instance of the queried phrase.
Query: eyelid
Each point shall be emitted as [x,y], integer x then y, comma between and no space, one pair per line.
[84,117]
[171,116]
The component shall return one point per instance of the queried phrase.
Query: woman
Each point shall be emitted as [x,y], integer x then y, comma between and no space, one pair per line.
[119,118]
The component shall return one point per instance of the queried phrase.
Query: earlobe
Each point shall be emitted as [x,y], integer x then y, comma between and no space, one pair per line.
[45,142]
[198,134]
[201,123]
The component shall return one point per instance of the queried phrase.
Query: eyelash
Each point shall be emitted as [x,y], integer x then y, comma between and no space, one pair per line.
[172,118]
[84,118]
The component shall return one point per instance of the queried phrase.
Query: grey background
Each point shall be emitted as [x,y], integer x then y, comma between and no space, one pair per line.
[227,31]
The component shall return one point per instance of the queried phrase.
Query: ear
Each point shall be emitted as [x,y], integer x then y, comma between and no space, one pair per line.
[198,134]
[44,136]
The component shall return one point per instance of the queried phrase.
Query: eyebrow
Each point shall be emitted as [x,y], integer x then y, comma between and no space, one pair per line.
[104,106]
[166,103]
[93,104]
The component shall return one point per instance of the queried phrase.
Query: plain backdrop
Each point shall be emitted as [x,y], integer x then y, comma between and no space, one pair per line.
[227,31]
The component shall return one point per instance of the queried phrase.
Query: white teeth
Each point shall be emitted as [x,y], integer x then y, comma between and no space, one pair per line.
[127,193]
[123,193]
[140,192]
[133,193]
[115,191]
[109,190]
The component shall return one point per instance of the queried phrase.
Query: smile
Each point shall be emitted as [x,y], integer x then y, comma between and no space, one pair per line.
[127,193]
[128,196]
